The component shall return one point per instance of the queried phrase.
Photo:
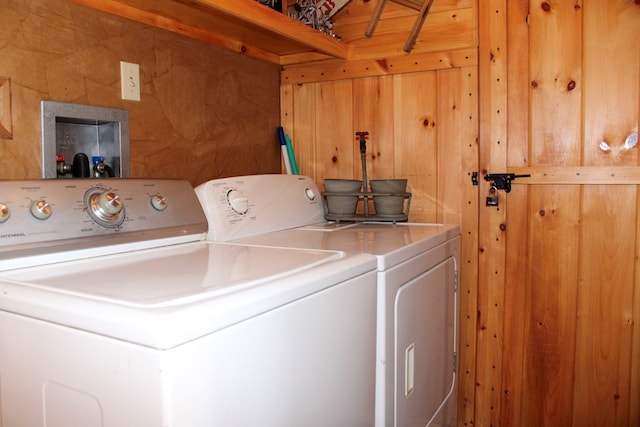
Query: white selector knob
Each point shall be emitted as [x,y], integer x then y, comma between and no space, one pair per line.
[109,203]
[240,204]
[158,202]
[4,212]
[41,209]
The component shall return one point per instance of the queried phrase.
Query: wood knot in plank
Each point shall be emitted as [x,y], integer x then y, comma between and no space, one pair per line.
[382,64]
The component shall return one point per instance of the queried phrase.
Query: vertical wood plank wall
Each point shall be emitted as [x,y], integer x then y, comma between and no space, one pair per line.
[423,126]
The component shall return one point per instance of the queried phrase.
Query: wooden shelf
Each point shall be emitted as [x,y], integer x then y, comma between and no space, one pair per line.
[244,26]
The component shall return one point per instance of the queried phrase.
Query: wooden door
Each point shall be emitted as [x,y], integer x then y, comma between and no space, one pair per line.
[559,294]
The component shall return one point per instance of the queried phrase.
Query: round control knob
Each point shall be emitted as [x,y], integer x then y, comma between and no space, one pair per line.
[238,202]
[5,213]
[158,202]
[109,204]
[41,209]
[105,207]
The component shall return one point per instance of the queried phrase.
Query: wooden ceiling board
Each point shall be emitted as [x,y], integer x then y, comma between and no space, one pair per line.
[360,11]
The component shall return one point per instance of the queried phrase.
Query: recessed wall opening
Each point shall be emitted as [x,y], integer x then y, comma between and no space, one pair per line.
[84,141]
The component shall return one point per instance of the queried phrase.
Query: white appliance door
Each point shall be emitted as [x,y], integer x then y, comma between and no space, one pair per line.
[425,329]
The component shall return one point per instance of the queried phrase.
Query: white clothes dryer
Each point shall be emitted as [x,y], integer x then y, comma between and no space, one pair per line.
[115,312]
[417,281]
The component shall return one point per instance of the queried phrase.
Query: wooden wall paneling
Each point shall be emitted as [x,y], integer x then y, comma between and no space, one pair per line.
[611,64]
[335,137]
[556,59]
[515,288]
[492,24]
[450,138]
[634,390]
[340,70]
[604,338]
[517,243]
[605,305]
[596,175]
[634,410]
[550,309]
[298,110]
[373,113]
[415,127]
[457,155]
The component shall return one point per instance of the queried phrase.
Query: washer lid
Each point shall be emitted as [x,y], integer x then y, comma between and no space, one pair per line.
[165,296]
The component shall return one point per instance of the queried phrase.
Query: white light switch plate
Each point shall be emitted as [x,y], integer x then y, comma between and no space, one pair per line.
[130,81]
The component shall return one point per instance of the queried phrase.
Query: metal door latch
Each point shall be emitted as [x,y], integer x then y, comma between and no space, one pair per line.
[502,181]
[474,178]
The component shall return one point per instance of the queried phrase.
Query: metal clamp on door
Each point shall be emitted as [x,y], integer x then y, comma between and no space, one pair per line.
[499,181]
[502,181]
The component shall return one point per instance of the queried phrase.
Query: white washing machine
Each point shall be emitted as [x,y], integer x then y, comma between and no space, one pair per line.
[417,271]
[116,312]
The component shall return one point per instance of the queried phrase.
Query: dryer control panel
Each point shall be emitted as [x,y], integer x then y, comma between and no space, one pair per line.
[249,205]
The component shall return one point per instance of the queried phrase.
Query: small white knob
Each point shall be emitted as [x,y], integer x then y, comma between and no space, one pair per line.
[5,213]
[158,202]
[41,209]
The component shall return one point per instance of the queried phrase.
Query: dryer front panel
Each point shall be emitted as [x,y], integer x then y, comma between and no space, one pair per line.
[424,347]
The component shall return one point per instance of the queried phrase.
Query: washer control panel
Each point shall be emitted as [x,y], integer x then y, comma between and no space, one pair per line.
[256,204]
[41,215]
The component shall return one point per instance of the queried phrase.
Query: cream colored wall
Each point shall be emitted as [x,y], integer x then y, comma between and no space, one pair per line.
[205,112]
